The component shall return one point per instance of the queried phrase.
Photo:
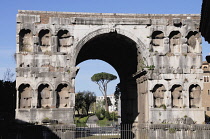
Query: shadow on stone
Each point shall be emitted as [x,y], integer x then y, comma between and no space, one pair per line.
[17,129]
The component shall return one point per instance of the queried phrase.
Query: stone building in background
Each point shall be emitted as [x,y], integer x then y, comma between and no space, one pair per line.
[158,59]
[100,99]
[206,88]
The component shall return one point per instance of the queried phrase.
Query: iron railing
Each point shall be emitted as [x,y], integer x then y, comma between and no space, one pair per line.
[122,131]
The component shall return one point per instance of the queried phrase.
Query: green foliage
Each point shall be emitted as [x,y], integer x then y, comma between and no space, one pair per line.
[107,115]
[83,101]
[100,113]
[108,102]
[84,119]
[104,122]
[46,120]
[102,77]
[163,106]
[113,116]
[151,67]
[89,98]
[81,121]
[172,130]
[117,96]
[79,101]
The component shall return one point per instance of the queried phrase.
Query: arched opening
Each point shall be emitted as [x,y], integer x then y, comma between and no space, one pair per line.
[195,96]
[157,38]
[25,96]
[44,40]
[87,69]
[65,40]
[83,83]
[44,96]
[63,96]
[157,41]
[177,96]
[25,40]
[175,41]
[158,95]
[193,39]
[121,53]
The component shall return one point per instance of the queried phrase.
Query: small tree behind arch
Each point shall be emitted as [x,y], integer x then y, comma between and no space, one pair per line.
[102,79]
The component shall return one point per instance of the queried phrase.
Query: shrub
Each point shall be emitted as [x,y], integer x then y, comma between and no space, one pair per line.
[107,115]
[81,122]
[100,114]
[113,116]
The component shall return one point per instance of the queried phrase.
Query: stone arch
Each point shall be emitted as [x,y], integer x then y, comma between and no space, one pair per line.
[160,82]
[45,27]
[123,51]
[175,42]
[195,96]
[44,96]
[62,82]
[65,40]
[158,95]
[25,96]
[44,40]
[176,96]
[63,96]
[193,41]
[141,47]
[26,40]
[45,82]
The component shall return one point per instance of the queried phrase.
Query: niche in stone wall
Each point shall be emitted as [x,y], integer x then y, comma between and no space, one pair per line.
[63,96]
[157,41]
[26,40]
[44,40]
[175,39]
[25,96]
[65,40]
[158,95]
[176,96]
[157,38]
[193,41]
[195,96]
[44,96]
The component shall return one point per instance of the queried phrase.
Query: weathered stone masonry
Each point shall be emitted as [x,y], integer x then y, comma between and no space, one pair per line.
[158,59]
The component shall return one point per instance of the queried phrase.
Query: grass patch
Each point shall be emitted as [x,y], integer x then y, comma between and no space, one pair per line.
[81,121]
[104,122]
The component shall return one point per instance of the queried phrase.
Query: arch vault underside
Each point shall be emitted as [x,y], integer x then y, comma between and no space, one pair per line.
[158,59]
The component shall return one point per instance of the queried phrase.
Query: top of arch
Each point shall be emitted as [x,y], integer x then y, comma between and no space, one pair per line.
[131,15]
[45,17]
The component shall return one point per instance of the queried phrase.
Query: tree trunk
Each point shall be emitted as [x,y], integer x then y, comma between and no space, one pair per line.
[78,112]
[106,104]
[87,110]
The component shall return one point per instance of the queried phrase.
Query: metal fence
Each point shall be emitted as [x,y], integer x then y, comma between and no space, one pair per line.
[123,131]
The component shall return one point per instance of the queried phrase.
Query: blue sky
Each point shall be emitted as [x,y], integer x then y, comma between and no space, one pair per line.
[9,10]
